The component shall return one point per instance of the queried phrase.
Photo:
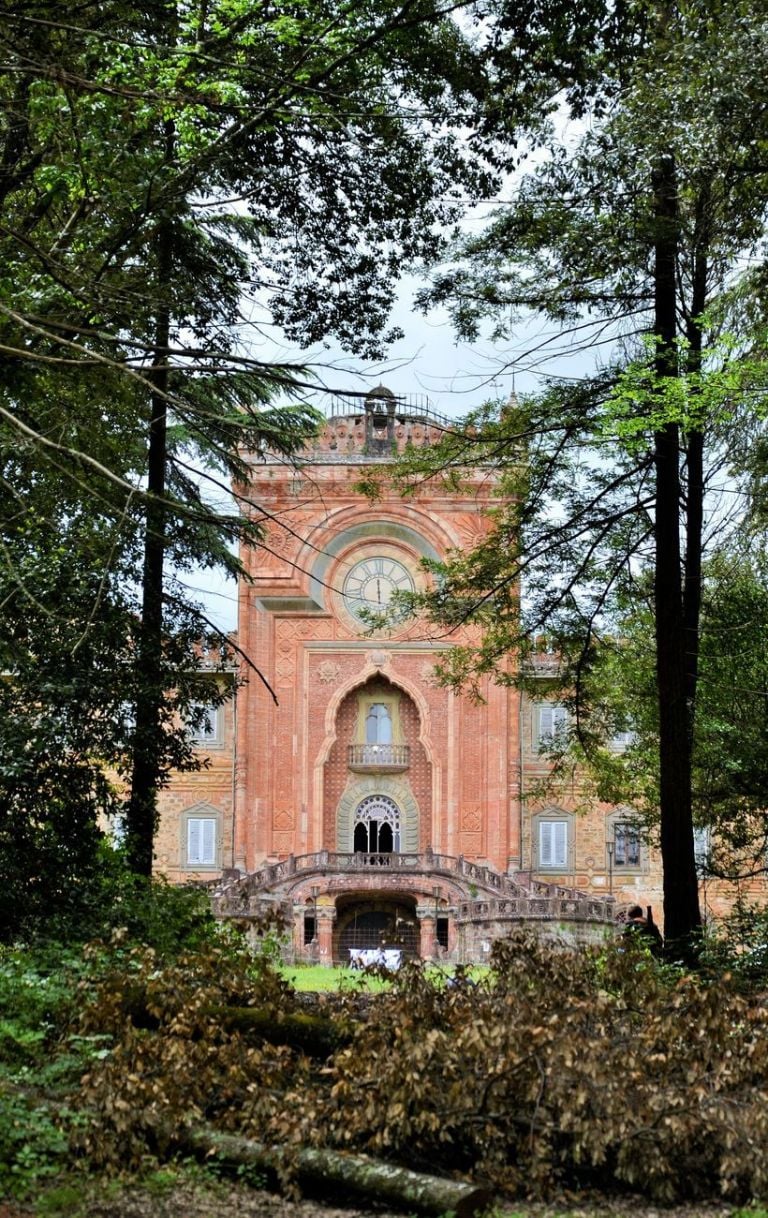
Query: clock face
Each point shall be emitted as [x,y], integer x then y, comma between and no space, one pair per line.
[371,583]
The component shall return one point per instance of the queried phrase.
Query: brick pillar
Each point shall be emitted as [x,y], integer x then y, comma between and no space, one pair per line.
[299,910]
[427,931]
[325,919]
[453,936]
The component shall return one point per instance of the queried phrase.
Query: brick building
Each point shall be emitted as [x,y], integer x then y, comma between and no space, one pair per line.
[375,805]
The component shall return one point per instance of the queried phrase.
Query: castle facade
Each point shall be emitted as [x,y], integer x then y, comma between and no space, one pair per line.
[377,807]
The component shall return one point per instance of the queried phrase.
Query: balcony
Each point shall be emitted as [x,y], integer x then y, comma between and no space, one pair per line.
[373,758]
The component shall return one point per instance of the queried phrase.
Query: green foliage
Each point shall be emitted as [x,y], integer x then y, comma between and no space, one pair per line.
[36,991]
[166,918]
[46,1045]
[738,944]
[617,692]
[33,1145]
[274,163]
[643,221]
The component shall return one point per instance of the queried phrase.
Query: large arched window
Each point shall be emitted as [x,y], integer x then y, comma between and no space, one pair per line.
[377,826]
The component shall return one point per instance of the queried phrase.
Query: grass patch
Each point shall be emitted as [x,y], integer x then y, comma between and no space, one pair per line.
[318,978]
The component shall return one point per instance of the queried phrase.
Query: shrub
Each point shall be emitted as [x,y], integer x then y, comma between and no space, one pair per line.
[33,1146]
[556,1070]
[562,1070]
[738,944]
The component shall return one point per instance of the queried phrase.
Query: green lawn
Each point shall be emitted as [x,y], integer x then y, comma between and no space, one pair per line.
[318,977]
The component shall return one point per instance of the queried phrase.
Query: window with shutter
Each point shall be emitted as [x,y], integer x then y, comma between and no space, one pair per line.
[553,843]
[622,740]
[701,849]
[201,841]
[552,721]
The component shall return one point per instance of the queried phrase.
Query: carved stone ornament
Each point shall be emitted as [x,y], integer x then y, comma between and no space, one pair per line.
[471,820]
[328,672]
[379,659]
[428,674]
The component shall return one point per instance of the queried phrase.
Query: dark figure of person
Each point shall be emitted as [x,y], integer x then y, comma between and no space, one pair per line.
[644,929]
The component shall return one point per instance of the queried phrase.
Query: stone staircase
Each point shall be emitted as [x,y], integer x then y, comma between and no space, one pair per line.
[481,894]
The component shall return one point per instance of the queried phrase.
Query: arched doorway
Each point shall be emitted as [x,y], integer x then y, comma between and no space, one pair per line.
[377,826]
[376,922]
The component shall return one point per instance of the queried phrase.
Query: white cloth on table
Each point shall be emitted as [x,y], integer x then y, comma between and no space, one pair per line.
[388,957]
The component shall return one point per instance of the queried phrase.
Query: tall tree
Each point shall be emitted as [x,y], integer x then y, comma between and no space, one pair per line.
[729,778]
[280,158]
[641,225]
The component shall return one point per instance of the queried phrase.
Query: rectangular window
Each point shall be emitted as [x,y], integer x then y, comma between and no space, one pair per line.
[701,848]
[207,730]
[622,740]
[553,843]
[626,846]
[201,841]
[553,720]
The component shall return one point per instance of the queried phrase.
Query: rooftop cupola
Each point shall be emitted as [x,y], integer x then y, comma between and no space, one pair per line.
[380,407]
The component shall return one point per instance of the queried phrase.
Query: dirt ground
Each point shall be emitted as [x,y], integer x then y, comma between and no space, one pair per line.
[203,1200]
[246,1203]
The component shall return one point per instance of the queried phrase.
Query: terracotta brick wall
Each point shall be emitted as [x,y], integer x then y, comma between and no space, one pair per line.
[420,772]
[336,769]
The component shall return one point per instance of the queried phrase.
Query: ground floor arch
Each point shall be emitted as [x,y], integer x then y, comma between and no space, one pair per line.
[375,920]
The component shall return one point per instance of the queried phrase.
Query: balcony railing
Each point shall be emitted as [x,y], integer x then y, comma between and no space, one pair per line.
[379,756]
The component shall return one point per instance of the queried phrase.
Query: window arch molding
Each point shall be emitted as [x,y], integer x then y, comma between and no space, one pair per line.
[400,684]
[359,532]
[377,825]
[382,786]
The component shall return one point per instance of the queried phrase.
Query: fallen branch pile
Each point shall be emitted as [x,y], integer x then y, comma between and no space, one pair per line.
[560,1070]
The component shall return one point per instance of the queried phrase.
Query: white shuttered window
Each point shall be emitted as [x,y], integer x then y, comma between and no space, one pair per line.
[553,843]
[553,720]
[201,841]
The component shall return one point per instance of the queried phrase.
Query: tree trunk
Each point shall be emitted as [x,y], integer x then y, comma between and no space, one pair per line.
[339,1172]
[146,769]
[694,520]
[681,901]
